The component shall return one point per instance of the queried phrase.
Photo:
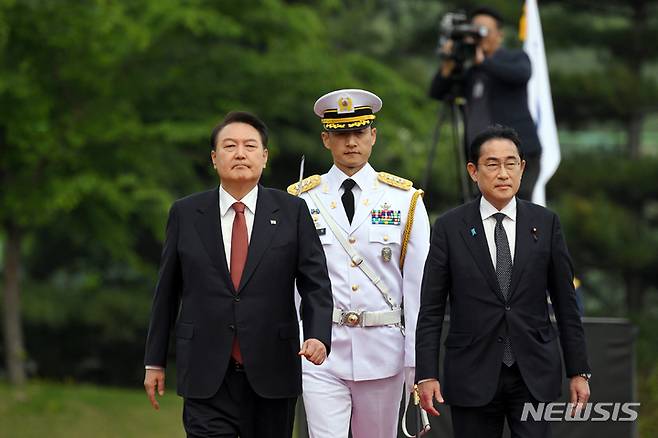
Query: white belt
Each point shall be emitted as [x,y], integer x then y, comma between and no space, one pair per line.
[352,318]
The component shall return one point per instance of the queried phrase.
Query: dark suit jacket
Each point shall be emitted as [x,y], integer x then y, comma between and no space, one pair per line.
[195,292]
[508,72]
[459,266]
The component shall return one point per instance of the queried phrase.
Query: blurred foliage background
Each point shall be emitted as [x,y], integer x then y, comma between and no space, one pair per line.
[106,107]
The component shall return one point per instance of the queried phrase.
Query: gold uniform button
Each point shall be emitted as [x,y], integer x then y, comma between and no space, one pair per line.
[385,238]
[355,287]
[352,239]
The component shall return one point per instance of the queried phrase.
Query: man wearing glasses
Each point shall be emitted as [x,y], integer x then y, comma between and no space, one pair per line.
[496,258]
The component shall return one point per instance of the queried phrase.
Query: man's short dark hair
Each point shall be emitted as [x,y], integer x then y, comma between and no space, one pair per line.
[491,133]
[240,117]
[491,12]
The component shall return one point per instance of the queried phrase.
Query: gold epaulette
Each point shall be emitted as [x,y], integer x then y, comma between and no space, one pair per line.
[307,184]
[394,181]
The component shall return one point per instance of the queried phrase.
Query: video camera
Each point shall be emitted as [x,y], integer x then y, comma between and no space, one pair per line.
[465,37]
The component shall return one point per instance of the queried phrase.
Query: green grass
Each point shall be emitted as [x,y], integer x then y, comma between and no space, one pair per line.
[74,410]
[57,410]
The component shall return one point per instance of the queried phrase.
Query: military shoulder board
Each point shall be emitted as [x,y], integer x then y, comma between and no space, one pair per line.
[394,181]
[307,184]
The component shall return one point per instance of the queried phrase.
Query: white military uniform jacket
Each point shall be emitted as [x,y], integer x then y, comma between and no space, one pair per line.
[366,353]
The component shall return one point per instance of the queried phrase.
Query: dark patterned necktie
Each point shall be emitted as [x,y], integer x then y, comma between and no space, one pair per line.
[239,248]
[504,274]
[348,198]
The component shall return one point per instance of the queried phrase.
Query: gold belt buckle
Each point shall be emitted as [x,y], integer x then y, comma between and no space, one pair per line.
[352,318]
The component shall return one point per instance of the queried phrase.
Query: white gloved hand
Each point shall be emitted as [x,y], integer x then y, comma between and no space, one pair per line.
[409,376]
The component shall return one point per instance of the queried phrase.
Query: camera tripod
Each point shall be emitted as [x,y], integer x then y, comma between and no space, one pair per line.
[453,107]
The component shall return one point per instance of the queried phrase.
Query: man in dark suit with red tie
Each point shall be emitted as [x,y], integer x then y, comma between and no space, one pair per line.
[496,258]
[230,261]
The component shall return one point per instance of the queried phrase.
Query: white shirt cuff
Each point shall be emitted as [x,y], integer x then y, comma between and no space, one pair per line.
[427,380]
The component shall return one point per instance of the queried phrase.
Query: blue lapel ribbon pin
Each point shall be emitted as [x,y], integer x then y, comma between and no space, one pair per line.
[473,233]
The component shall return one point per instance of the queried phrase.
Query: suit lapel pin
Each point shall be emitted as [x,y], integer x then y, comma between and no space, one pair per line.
[473,232]
[534,233]
[273,221]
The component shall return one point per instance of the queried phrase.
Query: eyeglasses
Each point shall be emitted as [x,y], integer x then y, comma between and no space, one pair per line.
[493,165]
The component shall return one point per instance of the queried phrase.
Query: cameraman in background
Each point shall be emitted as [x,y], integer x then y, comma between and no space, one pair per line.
[492,79]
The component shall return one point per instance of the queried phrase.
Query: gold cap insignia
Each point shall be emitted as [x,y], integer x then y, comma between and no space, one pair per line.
[345,105]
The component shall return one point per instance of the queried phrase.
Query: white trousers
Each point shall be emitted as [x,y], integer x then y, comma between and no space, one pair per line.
[372,405]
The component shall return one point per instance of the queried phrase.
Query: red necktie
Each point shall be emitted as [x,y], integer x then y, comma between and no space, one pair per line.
[239,247]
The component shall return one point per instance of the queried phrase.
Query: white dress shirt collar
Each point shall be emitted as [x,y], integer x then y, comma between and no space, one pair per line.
[226,201]
[362,178]
[487,210]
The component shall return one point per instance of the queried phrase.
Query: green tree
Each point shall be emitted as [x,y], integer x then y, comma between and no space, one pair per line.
[611,229]
[104,118]
[62,114]
[613,81]
[614,77]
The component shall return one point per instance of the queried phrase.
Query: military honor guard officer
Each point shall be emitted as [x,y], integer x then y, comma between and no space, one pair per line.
[374,231]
